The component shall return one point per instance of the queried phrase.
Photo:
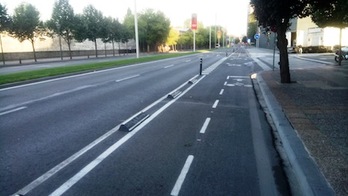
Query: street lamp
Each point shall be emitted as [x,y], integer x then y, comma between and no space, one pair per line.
[136,28]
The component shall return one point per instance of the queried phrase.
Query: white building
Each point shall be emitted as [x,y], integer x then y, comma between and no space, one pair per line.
[304,32]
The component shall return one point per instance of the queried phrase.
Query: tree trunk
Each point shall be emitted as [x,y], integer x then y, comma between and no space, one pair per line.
[113,47]
[69,46]
[119,48]
[282,45]
[340,53]
[2,51]
[96,49]
[34,52]
[105,49]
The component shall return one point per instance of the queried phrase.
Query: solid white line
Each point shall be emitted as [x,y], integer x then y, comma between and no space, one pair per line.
[68,184]
[168,66]
[182,176]
[127,78]
[205,125]
[221,92]
[14,110]
[69,160]
[216,103]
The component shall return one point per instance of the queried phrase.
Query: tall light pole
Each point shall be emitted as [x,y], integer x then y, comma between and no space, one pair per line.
[210,37]
[136,28]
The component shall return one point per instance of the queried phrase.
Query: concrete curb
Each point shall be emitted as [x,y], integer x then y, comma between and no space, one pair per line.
[305,178]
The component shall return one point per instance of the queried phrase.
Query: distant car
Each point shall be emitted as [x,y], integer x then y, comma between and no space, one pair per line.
[217,46]
[345,49]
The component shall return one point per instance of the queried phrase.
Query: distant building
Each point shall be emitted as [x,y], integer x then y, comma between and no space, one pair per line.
[304,32]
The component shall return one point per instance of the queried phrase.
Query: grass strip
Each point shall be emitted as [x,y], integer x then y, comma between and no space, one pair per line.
[49,72]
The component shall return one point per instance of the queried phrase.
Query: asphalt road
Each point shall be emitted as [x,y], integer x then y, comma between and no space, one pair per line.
[61,136]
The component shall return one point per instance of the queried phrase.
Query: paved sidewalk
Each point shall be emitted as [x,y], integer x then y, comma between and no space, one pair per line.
[316,105]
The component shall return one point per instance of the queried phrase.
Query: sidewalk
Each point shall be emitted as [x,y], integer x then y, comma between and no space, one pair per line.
[316,105]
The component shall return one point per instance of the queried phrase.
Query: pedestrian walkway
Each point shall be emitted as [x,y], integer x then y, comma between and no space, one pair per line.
[316,105]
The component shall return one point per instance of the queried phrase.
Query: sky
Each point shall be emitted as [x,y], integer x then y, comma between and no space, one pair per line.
[231,14]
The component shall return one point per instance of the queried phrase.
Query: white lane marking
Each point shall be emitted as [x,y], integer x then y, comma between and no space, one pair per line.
[47,97]
[182,176]
[127,78]
[216,103]
[222,91]
[69,160]
[205,125]
[225,83]
[238,77]
[84,171]
[168,66]
[189,60]
[14,110]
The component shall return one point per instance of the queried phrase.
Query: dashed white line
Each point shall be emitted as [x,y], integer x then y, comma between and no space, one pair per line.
[205,125]
[14,110]
[216,103]
[84,171]
[222,91]
[168,66]
[127,78]
[182,176]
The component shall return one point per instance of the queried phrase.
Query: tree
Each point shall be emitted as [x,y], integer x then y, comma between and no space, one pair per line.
[63,21]
[128,30]
[26,24]
[202,36]
[186,40]
[80,29]
[114,32]
[252,28]
[93,20]
[173,38]
[245,39]
[107,31]
[331,13]
[154,28]
[5,22]
[276,15]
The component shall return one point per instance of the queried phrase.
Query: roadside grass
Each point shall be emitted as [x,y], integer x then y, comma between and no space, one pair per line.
[50,72]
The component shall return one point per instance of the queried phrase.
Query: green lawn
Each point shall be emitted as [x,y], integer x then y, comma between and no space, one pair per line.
[42,73]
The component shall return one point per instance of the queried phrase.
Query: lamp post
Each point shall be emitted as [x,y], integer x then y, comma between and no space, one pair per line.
[136,28]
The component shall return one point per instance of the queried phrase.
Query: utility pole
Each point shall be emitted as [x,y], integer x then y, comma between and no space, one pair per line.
[136,28]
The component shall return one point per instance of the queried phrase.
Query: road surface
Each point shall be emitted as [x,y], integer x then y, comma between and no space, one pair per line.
[61,136]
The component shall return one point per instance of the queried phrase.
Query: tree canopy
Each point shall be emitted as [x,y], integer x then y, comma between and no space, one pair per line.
[26,24]
[154,28]
[63,21]
[5,19]
[276,15]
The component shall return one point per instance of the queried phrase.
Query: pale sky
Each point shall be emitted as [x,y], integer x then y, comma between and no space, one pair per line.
[231,14]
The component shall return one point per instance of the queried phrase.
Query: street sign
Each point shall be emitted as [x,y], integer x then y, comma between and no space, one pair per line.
[257,36]
[194,22]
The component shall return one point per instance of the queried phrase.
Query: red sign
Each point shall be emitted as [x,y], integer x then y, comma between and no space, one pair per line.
[194,22]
